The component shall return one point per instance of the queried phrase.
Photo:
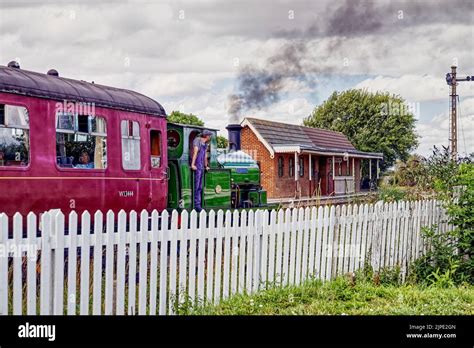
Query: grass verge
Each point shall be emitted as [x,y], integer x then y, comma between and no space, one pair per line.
[343,296]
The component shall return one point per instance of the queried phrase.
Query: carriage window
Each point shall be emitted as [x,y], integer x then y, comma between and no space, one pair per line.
[2,114]
[130,144]
[81,141]
[14,136]
[155,147]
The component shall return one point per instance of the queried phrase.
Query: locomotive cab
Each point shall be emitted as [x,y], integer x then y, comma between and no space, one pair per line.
[233,180]
[216,187]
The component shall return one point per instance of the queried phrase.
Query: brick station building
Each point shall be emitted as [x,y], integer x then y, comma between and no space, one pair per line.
[303,162]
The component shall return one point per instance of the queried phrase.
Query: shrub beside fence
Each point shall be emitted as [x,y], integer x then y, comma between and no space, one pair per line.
[150,263]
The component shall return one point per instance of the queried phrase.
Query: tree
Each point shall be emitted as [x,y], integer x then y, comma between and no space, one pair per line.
[222,142]
[182,118]
[374,122]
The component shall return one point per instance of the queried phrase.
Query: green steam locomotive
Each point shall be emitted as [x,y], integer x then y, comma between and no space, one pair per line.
[232,182]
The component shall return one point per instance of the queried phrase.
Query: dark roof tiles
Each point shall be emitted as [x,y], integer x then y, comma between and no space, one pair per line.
[277,133]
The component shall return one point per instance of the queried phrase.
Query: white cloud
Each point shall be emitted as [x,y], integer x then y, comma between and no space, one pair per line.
[289,110]
[436,132]
[211,107]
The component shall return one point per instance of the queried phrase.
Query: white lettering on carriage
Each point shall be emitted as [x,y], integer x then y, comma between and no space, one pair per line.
[126,193]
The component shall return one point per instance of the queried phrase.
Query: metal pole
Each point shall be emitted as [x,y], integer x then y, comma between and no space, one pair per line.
[370,169]
[333,167]
[333,174]
[353,174]
[310,168]
[452,80]
[453,124]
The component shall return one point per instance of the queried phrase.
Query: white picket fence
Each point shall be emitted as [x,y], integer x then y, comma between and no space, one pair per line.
[145,264]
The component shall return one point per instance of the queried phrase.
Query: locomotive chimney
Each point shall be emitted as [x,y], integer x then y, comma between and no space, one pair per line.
[234,136]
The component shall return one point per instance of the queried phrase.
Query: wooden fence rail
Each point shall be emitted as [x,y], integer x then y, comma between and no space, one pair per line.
[151,263]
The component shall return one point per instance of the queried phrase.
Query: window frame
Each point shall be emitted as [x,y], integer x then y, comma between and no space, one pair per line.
[301,167]
[66,131]
[314,172]
[139,138]
[30,156]
[160,144]
[291,167]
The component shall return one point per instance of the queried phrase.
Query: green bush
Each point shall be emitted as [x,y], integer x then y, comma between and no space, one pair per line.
[461,211]
[448,260]
[440,264]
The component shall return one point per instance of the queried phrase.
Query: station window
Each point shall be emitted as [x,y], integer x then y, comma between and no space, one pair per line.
[14,136]
[130,131]
[291,167]
[314,173]
[301,166]
[81,141]
[155,148]
[280,166]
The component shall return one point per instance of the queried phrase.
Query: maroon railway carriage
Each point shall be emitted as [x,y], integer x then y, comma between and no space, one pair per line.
[73,145]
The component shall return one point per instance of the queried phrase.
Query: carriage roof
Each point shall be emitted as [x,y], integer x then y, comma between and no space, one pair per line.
[49,86]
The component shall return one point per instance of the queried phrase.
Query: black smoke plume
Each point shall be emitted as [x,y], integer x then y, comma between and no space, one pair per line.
[258,88]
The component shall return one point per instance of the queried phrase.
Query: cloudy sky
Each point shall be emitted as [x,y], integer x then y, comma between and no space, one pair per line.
[190,55]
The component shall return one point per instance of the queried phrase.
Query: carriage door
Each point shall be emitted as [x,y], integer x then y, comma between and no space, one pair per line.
[157,171]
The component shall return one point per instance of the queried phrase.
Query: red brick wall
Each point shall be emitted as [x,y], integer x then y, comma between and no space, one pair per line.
[252,146]
[286,186]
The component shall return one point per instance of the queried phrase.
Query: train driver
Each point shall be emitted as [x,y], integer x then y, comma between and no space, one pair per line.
[199,164]
[84,161]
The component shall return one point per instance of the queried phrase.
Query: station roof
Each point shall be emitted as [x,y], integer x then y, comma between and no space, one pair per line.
[49,86]
[281,137]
